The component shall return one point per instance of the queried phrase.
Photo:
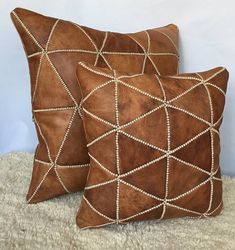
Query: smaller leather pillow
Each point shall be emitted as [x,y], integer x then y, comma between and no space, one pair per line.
[154,145]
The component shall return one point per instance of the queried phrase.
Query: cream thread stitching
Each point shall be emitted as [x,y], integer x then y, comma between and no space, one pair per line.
[103,53]
[60,180]
[184,209]
[97,226]
[154,65]
[85,33]
[190,164]
[144,212]
[50,35]
[65,136]
[143,166]
[220,204]
[185,78]
[100,137]
[40,132]
[53,109]
[43,162]
[168,127]
[140,91]
[217,179]
[140,54]
[72,166]
[141,117]
[189,191]
[62,166]
[177,50]
[40,184]
[142,141]
[95,71]
[61,80]
[97,88]
[35,54]
[214,75]
[99,52]
[27,30]
[190,140]
[185,92]
[100,165]
[163,211]
[117,145]
[148,48]
[129,76]
[98,118]
[107,63]
[71,51]
[49,156]
[141,191]
[37,76]
[96,211]
[100,184]
[189,113]
[145,53]
[213,85]
[93,43]
[60,149]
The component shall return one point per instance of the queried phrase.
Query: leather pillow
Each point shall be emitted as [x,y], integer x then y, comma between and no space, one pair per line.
[53,48]
[153,143]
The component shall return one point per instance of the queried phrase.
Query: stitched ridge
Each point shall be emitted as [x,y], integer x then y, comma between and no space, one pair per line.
[99,164]
[27,31]
[117,145]
[54,109]
[96,211]
[62,166]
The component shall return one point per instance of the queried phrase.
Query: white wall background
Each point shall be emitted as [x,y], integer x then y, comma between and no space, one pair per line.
[207,31]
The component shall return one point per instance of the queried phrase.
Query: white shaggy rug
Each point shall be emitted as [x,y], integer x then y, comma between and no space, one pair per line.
[51,224]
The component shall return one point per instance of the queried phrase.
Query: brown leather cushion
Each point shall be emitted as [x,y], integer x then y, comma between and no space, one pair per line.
[153,143]
[53,48]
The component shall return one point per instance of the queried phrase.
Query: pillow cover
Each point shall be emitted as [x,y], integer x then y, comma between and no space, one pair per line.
[153,143]
[53,48]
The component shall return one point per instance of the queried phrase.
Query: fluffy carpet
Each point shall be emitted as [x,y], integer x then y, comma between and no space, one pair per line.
[51,224]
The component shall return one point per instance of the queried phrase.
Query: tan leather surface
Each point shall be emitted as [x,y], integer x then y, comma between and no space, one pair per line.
[53,48]
[155,147]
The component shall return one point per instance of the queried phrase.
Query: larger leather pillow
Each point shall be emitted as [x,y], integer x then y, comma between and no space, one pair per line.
[53,48]
[153,143]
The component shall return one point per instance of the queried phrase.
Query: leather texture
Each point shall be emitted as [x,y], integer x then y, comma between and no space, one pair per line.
[53,48]
[154,145]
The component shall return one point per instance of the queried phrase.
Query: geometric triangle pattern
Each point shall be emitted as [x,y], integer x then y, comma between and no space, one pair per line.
[159,159]
[53,48]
